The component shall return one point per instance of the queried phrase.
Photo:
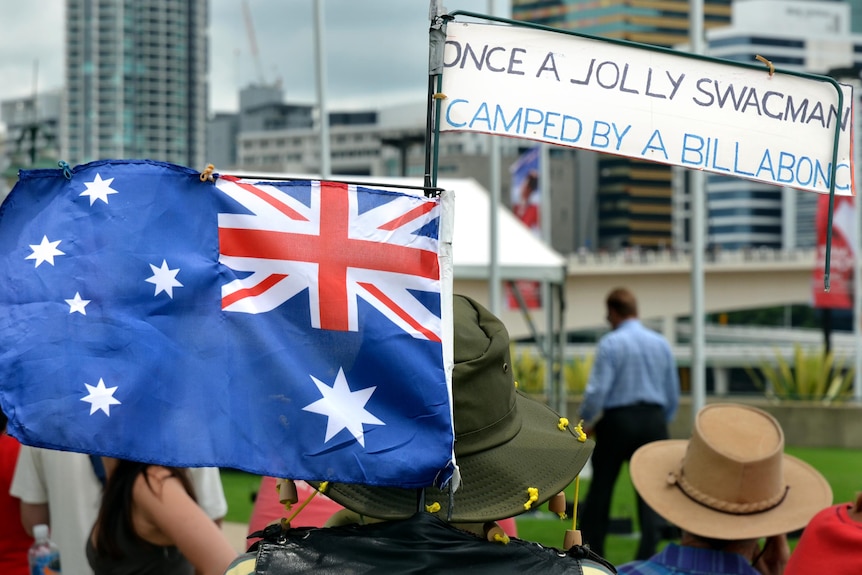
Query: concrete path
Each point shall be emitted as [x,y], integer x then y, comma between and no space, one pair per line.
[236,533]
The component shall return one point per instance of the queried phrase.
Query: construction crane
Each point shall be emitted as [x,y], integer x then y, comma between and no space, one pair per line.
[252,40]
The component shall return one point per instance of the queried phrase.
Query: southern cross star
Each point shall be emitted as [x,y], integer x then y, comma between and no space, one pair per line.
[77,304]
[165,279]
[45,251]
[344,409]
[99,189]
[100,397]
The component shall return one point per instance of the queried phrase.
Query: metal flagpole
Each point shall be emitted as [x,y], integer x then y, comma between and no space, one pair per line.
[494,277]
[545,187]
[857,249]
[495,295]
[697,196]
[551,389]
[320,63]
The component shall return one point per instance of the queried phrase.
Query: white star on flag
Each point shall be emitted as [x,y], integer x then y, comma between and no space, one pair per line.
[344,409]
[99,189]
[165,279]
[77,304]
[100,397]
[45,251]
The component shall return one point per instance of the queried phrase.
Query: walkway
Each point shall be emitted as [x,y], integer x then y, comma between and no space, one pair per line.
[733,280]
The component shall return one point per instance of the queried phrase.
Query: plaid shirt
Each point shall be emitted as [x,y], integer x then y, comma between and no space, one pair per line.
[678,560]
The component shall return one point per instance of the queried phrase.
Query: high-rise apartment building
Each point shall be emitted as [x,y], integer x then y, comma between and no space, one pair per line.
[633,198]
[136,80]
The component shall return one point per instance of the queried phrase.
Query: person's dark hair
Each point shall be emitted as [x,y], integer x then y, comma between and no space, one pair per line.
[115,513]
[532,181]
[711,542]
[623,302]
[722,544]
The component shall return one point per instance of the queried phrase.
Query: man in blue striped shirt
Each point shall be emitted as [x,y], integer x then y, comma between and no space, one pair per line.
[631,396]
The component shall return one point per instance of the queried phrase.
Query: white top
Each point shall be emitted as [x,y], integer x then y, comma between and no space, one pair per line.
[67,483]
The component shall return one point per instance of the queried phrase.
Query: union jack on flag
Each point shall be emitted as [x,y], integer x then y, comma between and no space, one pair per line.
[288,328]
[333,249]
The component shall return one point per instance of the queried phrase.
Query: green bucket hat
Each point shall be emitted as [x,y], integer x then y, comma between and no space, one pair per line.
[514,453]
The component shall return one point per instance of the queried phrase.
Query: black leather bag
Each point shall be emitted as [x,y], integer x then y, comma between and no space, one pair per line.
[421,544]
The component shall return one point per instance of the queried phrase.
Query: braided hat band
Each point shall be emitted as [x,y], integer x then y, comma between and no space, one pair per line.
[678,478]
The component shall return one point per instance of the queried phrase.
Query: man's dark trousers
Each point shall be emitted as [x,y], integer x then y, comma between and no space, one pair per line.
[618,434]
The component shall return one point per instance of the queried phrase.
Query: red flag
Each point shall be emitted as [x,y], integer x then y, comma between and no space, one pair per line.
[842,255]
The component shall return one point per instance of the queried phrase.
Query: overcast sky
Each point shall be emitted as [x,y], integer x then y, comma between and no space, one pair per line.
[377,50]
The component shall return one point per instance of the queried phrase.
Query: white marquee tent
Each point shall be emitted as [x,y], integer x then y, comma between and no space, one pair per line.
[522,255]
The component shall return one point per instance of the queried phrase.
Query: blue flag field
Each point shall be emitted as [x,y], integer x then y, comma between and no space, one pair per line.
[286,328]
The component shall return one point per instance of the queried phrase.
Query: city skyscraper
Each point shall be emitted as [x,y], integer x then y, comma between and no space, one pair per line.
[633,199]
[795,35]
[136,80]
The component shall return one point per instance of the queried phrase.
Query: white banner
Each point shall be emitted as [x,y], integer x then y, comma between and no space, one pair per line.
[670,108]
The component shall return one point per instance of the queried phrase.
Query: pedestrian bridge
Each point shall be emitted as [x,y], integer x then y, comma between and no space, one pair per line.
[733,280]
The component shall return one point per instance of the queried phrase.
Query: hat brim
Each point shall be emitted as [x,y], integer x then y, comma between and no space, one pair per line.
[494,483]
[650,465]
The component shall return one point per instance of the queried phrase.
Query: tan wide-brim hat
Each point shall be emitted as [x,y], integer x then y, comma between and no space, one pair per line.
[732,479]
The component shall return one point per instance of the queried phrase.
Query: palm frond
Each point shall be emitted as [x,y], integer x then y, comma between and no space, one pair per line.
[811,374]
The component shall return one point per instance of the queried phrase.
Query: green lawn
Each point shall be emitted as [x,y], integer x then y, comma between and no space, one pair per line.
[239,490]
[841,467]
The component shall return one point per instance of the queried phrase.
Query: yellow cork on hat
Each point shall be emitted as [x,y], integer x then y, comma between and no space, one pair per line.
[533,494]
[495,533]
[287,495]
[579,431]
[557,504]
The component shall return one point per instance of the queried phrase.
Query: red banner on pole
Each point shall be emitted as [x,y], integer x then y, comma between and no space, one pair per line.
[843,254]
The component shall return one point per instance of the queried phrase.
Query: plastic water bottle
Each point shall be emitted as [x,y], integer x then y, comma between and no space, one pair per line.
[44,555]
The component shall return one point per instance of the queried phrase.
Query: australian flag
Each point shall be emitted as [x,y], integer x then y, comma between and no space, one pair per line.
[286,328]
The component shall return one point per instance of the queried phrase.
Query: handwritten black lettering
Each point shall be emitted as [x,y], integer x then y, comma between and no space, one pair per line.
[513,61]
[549,65]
